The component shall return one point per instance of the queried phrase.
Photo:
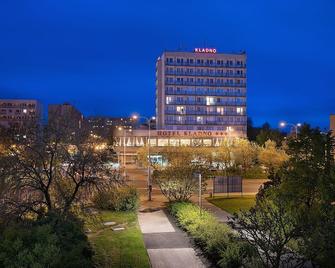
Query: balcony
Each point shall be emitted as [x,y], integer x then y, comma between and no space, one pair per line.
[214,64]
[204,113]
[204,93]
[194,122]
[196,74]
[223,103]
[214,84]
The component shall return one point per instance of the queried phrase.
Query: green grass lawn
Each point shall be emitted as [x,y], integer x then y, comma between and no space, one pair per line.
[233,204]
[117,249]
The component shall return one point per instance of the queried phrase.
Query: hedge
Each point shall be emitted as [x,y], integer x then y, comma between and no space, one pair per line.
[217,240]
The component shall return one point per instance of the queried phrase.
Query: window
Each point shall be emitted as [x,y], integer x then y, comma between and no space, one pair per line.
[163,142]
[180,109]
[168,99]
[200,119]
[185,142]
[220,110]
[239,110]
[209,100]
[174,142]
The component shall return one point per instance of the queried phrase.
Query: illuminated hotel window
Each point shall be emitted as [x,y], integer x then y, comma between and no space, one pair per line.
[185,142]
[163,142]
[209,100]
[181,109]
[239,110]
[168,100]
[207,142]
[200,119]
[174,142]
[152,142]
[220,110]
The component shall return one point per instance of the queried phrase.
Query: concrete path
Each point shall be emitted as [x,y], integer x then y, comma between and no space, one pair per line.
[167,245]
[220,214]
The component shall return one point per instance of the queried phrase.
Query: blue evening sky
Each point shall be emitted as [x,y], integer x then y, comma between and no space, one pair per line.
[100,54]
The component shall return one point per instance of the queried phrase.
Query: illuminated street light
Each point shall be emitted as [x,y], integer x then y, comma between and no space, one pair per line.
[295,126]
[135,117]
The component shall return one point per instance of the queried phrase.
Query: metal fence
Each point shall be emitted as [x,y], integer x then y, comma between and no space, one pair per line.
[227,184]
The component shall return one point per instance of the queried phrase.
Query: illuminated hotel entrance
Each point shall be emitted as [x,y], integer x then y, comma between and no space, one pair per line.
[128,143]
[161,138]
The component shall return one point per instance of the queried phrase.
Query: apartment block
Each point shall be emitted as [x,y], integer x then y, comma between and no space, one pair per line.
[19,112]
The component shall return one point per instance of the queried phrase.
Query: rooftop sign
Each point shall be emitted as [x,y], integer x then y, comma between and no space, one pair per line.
[205,50]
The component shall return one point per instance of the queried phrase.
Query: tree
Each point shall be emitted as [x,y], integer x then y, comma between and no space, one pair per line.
[245,154]
[304,190]
[307,186]
[252,131]
[178,181]
[271,157]
[266,133]
[50,172]
[223,156]
[269,228]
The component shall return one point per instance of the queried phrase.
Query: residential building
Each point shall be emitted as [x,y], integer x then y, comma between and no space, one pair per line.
[332,123]
[65,115]
[19,112]
[105,126]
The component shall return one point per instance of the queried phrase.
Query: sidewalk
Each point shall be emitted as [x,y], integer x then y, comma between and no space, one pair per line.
[167,245]
[220,214]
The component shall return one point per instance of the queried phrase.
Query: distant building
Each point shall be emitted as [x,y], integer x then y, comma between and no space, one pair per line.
[106,126]
[65,115]
[202,91]
[20,112]
[332,123]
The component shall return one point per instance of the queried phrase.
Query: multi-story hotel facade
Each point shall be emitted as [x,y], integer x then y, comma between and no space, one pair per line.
[201,90]
[200,101]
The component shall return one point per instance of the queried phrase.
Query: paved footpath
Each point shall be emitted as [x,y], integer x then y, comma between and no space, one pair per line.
[167,245]
[220,214]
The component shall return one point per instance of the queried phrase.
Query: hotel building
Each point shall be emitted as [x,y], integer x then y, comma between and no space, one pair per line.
[200,101]
[18,113]
[201,90]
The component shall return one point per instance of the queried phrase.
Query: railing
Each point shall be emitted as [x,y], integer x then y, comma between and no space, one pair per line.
[222,103]
[205,93]
[185,122]
[225,65]
[187,112]
[205,74]
[214,84]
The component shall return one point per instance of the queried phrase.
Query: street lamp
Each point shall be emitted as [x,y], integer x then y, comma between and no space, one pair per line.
[135,117]
[295,126]
[124,148]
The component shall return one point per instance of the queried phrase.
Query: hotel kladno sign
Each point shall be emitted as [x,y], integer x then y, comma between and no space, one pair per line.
[205,50]
[190,133]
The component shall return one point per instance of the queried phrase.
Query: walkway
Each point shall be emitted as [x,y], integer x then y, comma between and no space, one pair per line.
[167,245]
[221,215]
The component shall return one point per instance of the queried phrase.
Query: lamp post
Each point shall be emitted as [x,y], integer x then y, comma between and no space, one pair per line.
[295,126]
[135,117]
[124,149]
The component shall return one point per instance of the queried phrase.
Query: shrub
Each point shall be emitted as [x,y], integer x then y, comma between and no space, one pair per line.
[117,199]
[255,172]
[53,241]
[217,240]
